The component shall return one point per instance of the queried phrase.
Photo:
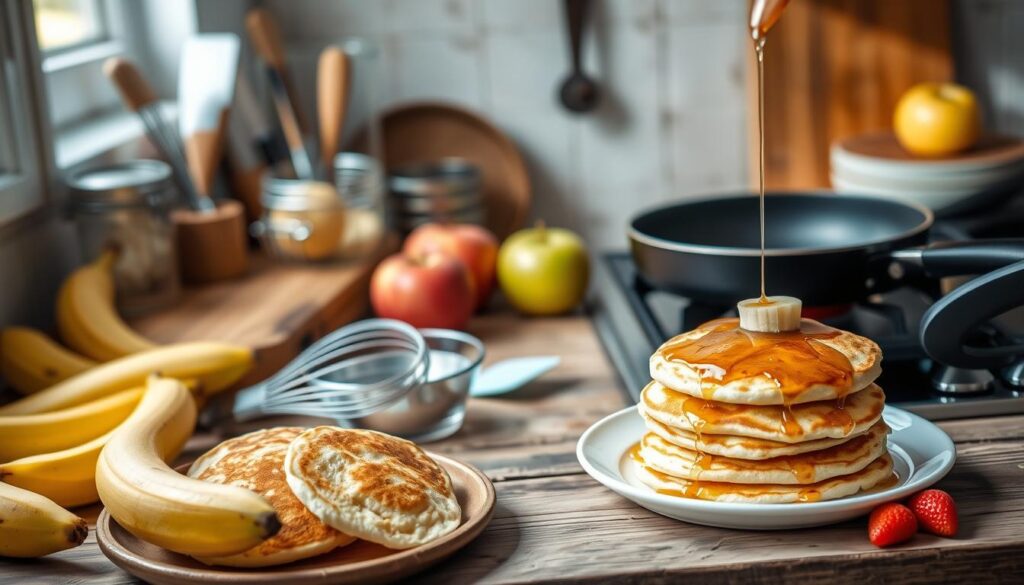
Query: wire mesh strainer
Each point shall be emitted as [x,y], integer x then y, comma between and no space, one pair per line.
[350,373]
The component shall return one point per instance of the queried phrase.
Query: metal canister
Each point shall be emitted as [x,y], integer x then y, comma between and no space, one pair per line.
[448,190]
[127,206]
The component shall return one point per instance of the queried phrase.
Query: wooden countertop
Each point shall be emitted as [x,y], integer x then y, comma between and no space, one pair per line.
[554,523]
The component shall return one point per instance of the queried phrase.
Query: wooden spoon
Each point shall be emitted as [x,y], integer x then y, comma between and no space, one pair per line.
[332,87]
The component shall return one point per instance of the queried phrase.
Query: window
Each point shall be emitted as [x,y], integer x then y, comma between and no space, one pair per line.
[65,24]
[21,163]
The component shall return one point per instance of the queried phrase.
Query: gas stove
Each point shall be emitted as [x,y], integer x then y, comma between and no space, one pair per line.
[632,320]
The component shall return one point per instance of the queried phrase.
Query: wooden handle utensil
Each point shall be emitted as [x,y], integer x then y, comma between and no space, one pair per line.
[332,87]
[135,91]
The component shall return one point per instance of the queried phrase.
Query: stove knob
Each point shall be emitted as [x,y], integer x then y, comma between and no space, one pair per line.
[1014,375]
[950,380]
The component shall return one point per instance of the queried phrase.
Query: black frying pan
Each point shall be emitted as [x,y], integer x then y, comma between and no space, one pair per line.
[822,248]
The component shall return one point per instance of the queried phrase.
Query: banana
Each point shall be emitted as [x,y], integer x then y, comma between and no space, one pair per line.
[33,526]
[213,366]
[67,477]
[31,361]
[87,317]
[770,315]
[166,508]
[33,434]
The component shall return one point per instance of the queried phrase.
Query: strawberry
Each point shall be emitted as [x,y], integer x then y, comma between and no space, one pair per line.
[935,511]
[891,523]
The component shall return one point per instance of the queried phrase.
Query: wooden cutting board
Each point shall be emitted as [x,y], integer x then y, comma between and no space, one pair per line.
[277,309]
[836,68]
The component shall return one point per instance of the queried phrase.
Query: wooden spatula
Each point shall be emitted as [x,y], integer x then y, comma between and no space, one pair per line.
[206,86]
[332,87]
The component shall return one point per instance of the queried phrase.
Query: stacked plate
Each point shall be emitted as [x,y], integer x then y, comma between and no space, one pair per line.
[875,164]
[447,191]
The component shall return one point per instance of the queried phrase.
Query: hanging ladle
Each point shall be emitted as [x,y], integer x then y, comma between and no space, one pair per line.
[579,93]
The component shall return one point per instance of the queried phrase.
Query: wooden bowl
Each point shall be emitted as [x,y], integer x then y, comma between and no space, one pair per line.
[360,562]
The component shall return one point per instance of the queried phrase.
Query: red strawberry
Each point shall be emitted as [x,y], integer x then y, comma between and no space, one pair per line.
[935,511]
[891,524]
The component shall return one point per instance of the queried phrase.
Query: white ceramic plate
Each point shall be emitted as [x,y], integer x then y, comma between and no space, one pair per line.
[922,454]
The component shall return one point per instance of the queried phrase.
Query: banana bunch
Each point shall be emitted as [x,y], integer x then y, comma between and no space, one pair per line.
[30,361]
[33,434]
[87,318]
[213,367]
[34,526]
[159,505]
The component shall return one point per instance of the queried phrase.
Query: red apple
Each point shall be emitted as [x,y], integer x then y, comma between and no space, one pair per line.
[433,290]
[474,245]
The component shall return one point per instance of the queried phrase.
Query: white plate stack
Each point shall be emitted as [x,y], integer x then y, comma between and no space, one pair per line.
[875,164]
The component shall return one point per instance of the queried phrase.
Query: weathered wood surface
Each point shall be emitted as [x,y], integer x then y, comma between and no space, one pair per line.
[555,524]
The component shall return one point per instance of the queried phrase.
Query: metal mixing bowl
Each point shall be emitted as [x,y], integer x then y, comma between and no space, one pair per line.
[435,409]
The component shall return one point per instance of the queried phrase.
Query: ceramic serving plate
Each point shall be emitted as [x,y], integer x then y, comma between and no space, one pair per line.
[922,454]
[360,562]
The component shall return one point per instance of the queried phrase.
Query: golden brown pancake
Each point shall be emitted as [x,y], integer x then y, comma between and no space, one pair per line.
[816,466]
[377,487]
[706,380]
[256,461]
[876,472]
[735,446]
[796,424]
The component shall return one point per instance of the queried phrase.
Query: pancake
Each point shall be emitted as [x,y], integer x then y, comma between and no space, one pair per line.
[844,459]
[876,472]
[256,461]
[374,486]
[796,424]
[707,381]
[737,447]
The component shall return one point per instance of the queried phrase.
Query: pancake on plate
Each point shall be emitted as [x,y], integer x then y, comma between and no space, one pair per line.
[732,445]
[844,459]
[877,472]
[256,461]
[861,367]
[796,424]
[374,486]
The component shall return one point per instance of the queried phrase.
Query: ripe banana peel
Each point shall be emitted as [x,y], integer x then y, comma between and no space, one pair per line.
[34,434]
[30,361]
[33,526]
[159,505]
[212,366]
[67,477]
[87,317]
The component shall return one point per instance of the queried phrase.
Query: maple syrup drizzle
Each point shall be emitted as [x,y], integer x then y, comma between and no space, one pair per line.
[793,360]
[759,50]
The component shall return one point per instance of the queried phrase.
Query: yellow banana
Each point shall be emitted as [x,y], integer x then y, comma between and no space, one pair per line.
[213,366]
[166,508]
[87,317]
[67,477]
[32,434]
[31,361]
[33,526]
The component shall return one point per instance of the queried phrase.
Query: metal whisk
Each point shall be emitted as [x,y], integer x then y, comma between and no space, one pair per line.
[350,373]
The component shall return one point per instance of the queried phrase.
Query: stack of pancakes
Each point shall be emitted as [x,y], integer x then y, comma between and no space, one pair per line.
[787,419]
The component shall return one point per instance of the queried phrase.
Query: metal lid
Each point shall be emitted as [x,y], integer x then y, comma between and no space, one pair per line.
[446,177]
[132,183]
[286,194]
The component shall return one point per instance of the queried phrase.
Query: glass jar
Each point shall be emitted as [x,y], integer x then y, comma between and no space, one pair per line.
[302,219]
[127,206]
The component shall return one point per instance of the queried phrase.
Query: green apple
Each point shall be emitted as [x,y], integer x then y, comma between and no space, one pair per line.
[543,271]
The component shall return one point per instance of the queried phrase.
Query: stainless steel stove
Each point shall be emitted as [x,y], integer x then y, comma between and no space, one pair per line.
[632,320]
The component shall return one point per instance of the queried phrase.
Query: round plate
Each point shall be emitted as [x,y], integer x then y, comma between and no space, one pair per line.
[421,132]
[922,454]
[360,562]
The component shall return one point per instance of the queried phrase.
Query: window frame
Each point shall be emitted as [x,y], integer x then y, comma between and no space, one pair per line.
[103,17]
[23,190]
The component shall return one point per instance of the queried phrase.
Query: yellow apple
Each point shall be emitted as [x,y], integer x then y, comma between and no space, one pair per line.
[937,119]
[543,271]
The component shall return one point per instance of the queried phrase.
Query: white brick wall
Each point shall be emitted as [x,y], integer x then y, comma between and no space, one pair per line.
[671,124]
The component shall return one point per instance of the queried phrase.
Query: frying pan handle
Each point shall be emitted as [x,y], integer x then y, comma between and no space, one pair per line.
[947,326]
[962,258]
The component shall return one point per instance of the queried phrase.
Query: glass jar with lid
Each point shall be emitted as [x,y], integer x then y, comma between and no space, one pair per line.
[126,206]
